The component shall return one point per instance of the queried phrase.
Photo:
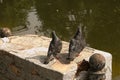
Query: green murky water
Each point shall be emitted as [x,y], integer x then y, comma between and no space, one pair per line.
[101,18]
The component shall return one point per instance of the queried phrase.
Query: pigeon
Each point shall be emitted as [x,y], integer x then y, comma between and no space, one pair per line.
[77,44]
[54,48]
[5,32]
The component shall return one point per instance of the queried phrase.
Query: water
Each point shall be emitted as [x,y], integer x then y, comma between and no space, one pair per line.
[100,17]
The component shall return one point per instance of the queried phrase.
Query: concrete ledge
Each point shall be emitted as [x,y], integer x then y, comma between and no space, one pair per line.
[21,58]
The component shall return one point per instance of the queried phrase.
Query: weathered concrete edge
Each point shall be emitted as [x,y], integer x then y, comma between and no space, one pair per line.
[70,74]
[46,73]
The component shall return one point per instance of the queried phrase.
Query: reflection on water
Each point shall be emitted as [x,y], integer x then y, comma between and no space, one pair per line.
[33,25]
[100,17]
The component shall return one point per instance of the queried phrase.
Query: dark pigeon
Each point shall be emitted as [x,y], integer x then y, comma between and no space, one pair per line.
[54,48]
[77,44]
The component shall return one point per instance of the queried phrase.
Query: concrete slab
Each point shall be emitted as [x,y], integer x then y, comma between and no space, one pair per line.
[23,56]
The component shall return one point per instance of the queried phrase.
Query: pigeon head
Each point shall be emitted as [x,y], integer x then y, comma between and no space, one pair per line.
[78,33]
[54,36]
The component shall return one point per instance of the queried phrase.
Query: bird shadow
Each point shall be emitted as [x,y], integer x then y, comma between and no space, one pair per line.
[41,58]
[62,58]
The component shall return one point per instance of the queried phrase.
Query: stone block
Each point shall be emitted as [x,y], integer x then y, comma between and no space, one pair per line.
[22,57]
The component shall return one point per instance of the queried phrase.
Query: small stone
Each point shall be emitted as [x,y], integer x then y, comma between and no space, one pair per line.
[5,32]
